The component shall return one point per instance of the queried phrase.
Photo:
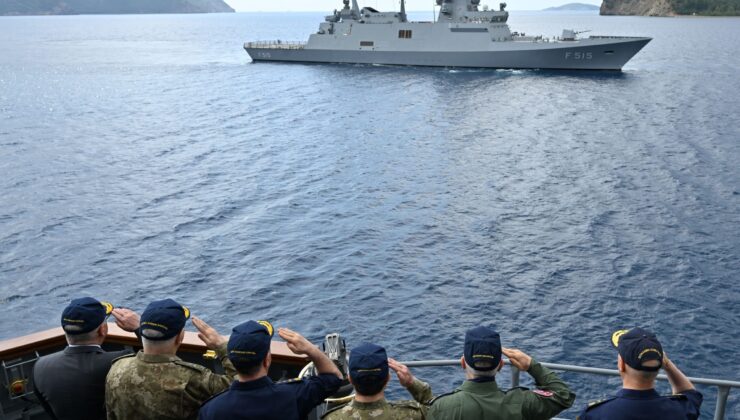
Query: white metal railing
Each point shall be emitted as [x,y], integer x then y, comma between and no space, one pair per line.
[722,385]
[277,44]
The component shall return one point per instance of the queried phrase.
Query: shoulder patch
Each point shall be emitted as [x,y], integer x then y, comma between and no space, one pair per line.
[677,397]
[597,403]
[339,407]
[442,396]
[123,357]
[291,381]
[543,393]
[193,366]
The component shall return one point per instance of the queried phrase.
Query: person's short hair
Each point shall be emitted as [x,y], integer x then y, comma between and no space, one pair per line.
[84,338]
[248,369]
[158,343]
[369,388]
[481,373]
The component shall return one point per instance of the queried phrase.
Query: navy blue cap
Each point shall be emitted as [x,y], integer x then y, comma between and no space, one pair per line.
[368,363]
[84,315]
[482,348]
[637,346]
[249,343]
[166,317]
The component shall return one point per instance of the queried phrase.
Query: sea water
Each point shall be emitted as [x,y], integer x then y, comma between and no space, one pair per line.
[144,157]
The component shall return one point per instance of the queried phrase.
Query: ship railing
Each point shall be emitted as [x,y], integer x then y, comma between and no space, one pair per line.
[723,386]
[277,44]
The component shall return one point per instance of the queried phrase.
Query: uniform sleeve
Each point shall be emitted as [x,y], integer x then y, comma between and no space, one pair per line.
[693,407]
[420,391]
[313,390]
[206,384]
[552,397]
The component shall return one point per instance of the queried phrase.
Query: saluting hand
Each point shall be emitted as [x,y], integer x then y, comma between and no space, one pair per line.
[405,377]
[518,358]
[126,319]
[296,342]
[208,334]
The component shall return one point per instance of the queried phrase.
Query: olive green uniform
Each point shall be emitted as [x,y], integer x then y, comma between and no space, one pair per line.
[384,410]
[147,386]
[484,400]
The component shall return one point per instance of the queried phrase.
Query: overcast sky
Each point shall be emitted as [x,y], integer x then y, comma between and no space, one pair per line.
[411,5]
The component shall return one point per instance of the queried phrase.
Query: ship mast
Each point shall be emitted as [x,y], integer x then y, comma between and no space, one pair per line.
[403,11]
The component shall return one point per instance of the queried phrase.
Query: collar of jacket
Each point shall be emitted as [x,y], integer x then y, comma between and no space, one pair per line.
[381,403]
[633,394]
[156,358]
[83,349]
[479,387]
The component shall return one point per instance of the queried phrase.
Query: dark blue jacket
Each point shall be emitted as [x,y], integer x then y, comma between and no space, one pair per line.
[262,399]
[645,405]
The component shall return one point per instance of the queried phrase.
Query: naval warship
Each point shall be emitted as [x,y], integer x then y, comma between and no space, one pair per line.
[464,34]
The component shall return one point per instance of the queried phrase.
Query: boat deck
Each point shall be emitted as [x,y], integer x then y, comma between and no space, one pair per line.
[278,44]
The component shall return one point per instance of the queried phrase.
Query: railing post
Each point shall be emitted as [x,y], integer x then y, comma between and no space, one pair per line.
[719,412]
[514,376]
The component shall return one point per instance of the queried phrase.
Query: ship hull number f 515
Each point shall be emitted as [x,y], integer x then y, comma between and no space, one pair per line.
[570,55]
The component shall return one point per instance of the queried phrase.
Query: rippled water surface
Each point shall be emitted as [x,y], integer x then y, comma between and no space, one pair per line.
[143,157]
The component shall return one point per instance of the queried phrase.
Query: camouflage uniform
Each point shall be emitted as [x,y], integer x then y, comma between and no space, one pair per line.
[484,400]
[151,386]
[384,410]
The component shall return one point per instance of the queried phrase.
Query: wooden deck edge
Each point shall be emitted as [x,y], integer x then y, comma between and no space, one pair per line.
[54,338]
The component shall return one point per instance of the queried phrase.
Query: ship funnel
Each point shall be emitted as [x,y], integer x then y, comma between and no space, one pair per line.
[355,9]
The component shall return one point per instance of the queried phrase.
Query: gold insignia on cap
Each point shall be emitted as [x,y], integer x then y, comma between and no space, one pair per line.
[187,312]
[617,335]
[108,307]
[267,325]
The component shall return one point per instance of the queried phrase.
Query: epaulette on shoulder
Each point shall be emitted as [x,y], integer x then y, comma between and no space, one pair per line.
[123,357]
[405,404]
[192,366]
[678,397]
[594,404]
[291,381]
[517,388]
[442,395]
[339,407]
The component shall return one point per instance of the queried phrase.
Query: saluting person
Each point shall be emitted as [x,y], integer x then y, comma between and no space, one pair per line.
[369,373]
[639,358]
[155,383]
[479,397]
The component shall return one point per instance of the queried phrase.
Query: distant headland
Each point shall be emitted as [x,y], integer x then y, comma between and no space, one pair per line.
[97,7]
[671,7]
[573,7]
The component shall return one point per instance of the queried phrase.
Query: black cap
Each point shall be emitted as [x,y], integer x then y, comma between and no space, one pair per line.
[637,346]
[249,343]
[165,316]
[84,315]
[482,348]
[368,363]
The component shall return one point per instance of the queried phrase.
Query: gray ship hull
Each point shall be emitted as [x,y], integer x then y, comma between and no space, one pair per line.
[596,53]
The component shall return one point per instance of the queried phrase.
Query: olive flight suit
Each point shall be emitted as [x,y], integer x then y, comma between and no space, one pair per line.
[481,399]
[385,410]
[147,386]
